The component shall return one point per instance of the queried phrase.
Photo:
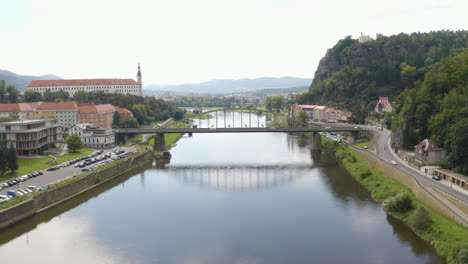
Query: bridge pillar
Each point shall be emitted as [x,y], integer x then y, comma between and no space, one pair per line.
[315,141]
[159,142]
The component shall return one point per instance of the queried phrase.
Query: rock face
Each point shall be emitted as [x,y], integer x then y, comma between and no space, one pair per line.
[366,55]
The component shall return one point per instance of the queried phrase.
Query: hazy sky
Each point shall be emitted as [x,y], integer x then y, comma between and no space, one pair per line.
[198,40]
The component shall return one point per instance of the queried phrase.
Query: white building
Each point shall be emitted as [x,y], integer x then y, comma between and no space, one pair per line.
[94,137]
[124,86]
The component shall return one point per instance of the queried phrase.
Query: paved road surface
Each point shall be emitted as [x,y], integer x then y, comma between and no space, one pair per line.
[55,176]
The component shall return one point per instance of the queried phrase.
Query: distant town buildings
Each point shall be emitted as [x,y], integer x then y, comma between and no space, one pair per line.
[320,113]
[93,136]
[383,105]
[125,86]
[31,136]
[67,113]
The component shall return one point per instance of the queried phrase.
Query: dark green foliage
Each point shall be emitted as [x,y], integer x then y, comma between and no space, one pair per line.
[400,203]
[12,160]
[129,122]
[8,159]
[353,75]
[2,91]
[438,109]
[365,174]
[207,101]
[74,143]
[116,120]
[462,256]
[178,115]
[13,94]
[274,103]
[30,96]
[421,219]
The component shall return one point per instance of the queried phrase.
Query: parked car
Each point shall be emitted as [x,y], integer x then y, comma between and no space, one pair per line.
[85,169]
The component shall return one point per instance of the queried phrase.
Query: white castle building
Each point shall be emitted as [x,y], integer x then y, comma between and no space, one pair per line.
[124,86]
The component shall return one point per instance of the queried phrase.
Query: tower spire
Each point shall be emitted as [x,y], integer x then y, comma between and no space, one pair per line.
[139,75]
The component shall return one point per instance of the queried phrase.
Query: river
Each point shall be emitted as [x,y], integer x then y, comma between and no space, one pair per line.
[224,198]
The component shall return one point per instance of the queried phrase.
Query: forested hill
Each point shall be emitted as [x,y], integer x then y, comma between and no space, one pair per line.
[353,75]
[21,81]
[437,109]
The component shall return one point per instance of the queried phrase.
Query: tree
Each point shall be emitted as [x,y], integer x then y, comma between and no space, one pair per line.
[2,91]
[3,158]
[74,143]
[12,94]
[12,160]
[14,115]
[178,115]
[30,96]
[457,143]
[116,120]
[129,122]
[421,219]
[303,117]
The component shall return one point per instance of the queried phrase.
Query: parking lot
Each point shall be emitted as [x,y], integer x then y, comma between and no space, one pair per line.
[64,171]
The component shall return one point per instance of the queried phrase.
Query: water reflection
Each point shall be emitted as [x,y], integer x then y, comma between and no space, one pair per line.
[239,178]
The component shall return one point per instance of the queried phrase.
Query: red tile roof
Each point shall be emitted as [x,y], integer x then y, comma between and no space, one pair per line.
[78,82]
[20,107]
[124,111]
[58,105]
[9,107]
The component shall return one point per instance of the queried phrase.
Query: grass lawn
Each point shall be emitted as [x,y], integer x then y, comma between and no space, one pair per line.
[27,165]
[362,142]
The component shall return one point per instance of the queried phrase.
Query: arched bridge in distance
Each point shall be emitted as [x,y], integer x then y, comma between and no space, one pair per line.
[248,121]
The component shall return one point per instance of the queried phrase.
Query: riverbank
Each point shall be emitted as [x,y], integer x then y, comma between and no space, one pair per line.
[449,238]
[59,192]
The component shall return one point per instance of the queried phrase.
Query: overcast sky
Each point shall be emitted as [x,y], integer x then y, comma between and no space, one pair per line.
[199,40]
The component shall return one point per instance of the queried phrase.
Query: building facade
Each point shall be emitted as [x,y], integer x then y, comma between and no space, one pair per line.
[97,115]
[66,113]
[383,105]
[453,177]
[94,137]
[428,153]
[320,113]
[110,86]
[31,136]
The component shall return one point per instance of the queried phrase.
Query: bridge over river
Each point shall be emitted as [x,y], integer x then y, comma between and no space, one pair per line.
[249,123]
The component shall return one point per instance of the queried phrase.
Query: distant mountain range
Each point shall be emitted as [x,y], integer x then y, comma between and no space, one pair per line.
[22,81]
[228,86]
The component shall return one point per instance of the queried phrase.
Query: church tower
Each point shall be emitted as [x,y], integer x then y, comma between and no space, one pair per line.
[139,75]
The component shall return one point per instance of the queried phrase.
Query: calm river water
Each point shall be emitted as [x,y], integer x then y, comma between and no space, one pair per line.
[224,198]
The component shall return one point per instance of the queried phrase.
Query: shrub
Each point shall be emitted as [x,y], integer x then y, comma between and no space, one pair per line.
[400,203]
[352,159]
[421,219]
[462,256]
[365,174]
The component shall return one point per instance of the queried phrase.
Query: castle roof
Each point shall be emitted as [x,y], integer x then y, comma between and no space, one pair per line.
[81,82]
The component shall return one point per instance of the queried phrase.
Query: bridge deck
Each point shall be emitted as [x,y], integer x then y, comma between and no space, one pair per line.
[234,130]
